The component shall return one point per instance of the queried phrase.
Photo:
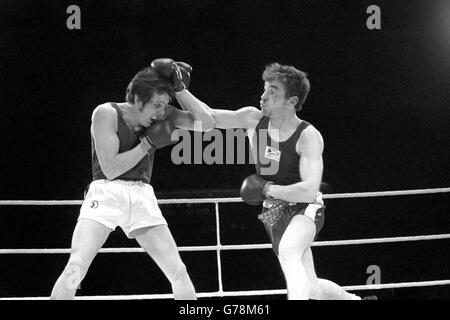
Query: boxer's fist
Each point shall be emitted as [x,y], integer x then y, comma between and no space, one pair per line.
[159,134]
[254,190]
[178,73]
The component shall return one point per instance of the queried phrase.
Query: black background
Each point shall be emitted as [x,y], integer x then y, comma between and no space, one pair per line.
[380,98]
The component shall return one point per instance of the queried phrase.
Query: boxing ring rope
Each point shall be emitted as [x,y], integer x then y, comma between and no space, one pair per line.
[219,247]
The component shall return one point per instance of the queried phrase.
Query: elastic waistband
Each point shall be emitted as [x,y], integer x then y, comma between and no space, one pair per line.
[269,203]
[122,182]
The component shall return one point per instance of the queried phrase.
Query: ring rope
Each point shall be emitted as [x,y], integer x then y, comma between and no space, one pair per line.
[244,293]
[238,247]
[236,199]
[219,247]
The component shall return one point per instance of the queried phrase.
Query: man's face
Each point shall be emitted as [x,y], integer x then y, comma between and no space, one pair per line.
[273,100]
[154,109]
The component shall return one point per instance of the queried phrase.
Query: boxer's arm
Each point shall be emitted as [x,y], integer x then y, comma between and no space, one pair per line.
[103,130]
[195,111]
[183,119]
[245,118]
[310,146]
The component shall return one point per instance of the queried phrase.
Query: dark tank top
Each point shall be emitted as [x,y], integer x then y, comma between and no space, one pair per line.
[128,139]
[279,160]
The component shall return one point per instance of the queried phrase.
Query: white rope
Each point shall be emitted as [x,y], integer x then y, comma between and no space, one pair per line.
[219,247]
[239,246]
[245,293]
[232,200]
[385,193]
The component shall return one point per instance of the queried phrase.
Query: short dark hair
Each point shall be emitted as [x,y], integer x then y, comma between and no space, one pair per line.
[145,84]
[295,81]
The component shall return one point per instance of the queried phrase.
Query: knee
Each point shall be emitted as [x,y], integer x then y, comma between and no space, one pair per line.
[287,254]
[291,250]
[77,265]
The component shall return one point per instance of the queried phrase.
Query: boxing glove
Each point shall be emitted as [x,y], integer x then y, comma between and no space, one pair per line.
[178,73]
[254,190]
[159,134]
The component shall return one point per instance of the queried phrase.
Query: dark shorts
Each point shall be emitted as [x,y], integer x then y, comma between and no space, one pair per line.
[277,218]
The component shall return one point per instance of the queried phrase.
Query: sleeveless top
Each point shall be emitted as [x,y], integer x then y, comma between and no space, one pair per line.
[277,161]
[128,139]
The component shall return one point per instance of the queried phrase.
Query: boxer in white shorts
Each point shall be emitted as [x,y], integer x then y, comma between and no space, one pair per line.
[130,205]
[124,139]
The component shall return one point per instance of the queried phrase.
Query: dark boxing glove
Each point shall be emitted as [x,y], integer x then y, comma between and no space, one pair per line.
[254,190]
[178,73]
[159,134]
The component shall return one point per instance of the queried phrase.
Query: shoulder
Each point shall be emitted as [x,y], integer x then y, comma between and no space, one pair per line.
[246,117]
[104,112]
[250,113]
[310,133]
[249,117]
[310,138]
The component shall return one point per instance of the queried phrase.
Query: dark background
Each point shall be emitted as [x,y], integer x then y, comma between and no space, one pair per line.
[380,98]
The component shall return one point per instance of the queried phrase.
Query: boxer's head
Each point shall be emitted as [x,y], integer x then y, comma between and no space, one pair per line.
[284,86]
[150,94]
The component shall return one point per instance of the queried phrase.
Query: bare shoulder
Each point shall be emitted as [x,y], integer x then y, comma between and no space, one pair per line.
[311,133]
[104,112]
[250,113]
[310,140]
[246,117]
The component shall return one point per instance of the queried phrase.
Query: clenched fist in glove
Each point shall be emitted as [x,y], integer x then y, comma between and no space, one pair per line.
[178,73]
[159,134]
[254,190]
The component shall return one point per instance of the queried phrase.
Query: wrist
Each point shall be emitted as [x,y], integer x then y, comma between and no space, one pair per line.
[267,189]
[180,90]
[145,145]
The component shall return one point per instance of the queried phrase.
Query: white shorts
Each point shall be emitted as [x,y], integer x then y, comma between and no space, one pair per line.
[128,204]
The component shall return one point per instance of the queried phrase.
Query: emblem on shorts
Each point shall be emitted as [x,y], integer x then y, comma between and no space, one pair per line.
[94,204]
[272,153]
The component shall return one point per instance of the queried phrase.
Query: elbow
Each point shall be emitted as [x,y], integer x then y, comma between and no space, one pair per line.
[305,197]
[109,176]
[311,197]
[310,194]
[209,125]
[108,172]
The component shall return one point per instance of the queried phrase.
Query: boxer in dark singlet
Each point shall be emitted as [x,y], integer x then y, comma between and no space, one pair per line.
[288,154]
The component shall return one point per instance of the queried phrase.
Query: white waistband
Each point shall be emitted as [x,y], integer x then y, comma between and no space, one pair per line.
[119,181]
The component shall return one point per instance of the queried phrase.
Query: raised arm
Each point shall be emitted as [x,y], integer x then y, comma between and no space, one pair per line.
[310,148]
[195,111]
[104,133]
[245,118]
[178,73]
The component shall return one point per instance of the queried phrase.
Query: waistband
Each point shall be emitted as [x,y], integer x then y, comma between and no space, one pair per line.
[120,181]
[269,203]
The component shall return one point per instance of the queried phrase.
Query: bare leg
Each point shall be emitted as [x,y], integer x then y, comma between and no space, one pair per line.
[88,237]
[322,289]
[296,239]
[158,242]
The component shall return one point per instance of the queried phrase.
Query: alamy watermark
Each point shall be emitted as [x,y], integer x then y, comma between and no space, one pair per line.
[227,147]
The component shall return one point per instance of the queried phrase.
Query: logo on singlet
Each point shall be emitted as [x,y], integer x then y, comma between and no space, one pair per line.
[94,204]
[272,153]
